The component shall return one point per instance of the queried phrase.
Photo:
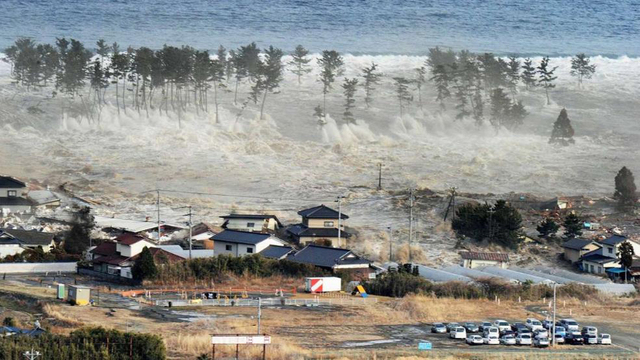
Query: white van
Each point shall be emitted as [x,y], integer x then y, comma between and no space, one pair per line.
[458,333]
[491,331]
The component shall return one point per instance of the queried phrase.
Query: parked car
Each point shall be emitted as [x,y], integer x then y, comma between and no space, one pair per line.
[541,341]
[559,339]
[508,340]
[451,326]
[573,338]
[458,333]
[589,330]
[502,325]
[517,326]
[570,325]
[509,332]
[523,339]
[561,331]
[604,339]
[524,331]
[541,333]
[475,340]
[471,327]
[484,325]
[438,328]
[533,324]
[492,330]
[590,339]
[547,324]
[491,340]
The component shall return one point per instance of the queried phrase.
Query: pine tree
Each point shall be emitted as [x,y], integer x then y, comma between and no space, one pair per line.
[441,77]
[402,92]
[117,69]
[437,57]
[143,63]
[516,115]
[478,106]
[581,68]
[371,78]
[545,76]
[528,74]
[201,74]
[217,76]
[145,266]
[269,74]
[625,188]
[420,80]
[26,62]
[500,107]
[462,97]
[626,254]
[331,64]
[300,62]
[223,61]
[572,226]
[562,130]
[548,228]
[513,75]
[494,71]
[78,238]
[349,86]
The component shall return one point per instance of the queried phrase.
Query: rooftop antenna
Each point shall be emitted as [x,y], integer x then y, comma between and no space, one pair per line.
[31,355]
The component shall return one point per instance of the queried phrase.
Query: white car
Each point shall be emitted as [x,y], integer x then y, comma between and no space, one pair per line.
[475,340]
[458,333]
[491,340]
[508,340]
[502,325]
[541,341]
[604,339]
[534,324]
[589,330]
[491,331]
[559,339]
[523,339]
[541,333]
[570,325]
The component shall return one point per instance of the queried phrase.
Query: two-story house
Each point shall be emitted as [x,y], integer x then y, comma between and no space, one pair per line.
[320,226]
[241,243]
[13,196]
[574,249]
[612,244]
[251,222]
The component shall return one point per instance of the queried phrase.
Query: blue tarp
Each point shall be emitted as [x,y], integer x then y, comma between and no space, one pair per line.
[615,270]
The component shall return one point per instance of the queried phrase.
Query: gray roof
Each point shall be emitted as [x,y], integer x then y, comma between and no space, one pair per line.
[597,256]
[240,237]
[7,182]
[321,212]
[31,237]
[614,240]
[301,230]
[252,216]
[576,244]
[15,201]
[276,252]
[327,257]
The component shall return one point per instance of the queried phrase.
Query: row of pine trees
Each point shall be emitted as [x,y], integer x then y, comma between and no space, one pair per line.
[177,78]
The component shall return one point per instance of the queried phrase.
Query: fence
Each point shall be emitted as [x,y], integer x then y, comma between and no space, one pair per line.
[38,268]
[353,301]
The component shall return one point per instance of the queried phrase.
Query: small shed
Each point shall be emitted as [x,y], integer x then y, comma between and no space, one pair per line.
[472,259]
[79,295]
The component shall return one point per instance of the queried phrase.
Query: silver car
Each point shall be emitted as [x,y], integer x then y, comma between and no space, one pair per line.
[541,341]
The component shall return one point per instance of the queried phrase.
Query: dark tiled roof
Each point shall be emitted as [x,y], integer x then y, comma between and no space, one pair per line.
[252,216]
[104,249]
[326,257]
[156,252]
[597,256]
[15,201]
[8,182]
[130,238]
[301,230]
[276,252]
[114,259]
[240,237]
[472,255]
[30,237]
[321,212]
[576,244]
[614,240]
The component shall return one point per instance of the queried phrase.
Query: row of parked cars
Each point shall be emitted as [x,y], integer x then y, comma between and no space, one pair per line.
[531,332]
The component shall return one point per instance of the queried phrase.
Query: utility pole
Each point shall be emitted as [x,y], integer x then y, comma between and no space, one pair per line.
[410,222]
[553,327]
[158,206]
[259,313]
[453,203]
[390,243]
[190,231]
[380,176]
[491,211]
[31,355]
[339,201]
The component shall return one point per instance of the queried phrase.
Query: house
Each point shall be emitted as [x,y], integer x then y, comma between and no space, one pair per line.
[44,199]
[27,239]
[9,246]
[556,204]
[611,245]
[634,270]
[132,244]
[146,228]
[276,252]
[320,224]
[13,197]
[598,261]
[472,259]
[240,243]
[251,222]
[334,259]
[184,253]
[574,249]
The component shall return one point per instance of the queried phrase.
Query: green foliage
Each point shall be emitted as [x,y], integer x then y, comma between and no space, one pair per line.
[86,343]
[562,130]
[371,77]
[438,57]
[331,64]
[300,62]
[269,74]
[349,86]
[78,238]
[528,73]
[581,68]
[504,112]
[402,92]
[501,223]
[145,266]
[397,284]
[625,188]
[626,254]
[572,226]
[548,228]
[421,78]
[546,76]
[441,77]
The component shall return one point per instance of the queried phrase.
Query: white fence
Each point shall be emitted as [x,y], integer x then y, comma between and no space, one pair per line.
[38,268]
[352,301]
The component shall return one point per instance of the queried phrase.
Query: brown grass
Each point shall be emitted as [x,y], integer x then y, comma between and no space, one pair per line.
[53,311]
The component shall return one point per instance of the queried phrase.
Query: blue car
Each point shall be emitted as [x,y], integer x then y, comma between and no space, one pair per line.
[560,330]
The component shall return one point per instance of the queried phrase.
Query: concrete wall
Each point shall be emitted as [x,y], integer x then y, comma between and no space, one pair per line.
[134,249]
[10,249]
[472,264]
[334,241]
[258,224]
[31,268]
[319,223]
[20,192]
[596,268]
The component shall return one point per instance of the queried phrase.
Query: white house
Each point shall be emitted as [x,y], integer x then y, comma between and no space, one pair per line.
[471,259]
[611,245]
[597,261]
[251,222]
[240,243]
[13,196]
[129,245]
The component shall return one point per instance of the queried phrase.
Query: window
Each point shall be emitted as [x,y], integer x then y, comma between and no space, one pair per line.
[228,247]
[591,268]
[249,250]
[610,250]
[250,225]
[328,224]
[599,270]
[12,193]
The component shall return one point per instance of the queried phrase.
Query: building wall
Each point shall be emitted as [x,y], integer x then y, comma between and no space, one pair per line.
[574,255]
[472,264]
[15,209]
[45,248]
[10,249]
[334,241]
[270,241]
[595,268]
[134,249]
[320,223]
[20,192]
[259,224]
[220,247]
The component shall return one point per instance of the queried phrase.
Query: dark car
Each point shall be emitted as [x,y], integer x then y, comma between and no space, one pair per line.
[471,327]
[517,326]
[574,338]
[438,328]
[452,326]
[509,332]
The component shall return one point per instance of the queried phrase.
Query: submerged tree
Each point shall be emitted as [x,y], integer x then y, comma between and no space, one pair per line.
[269,74]
[349,86]
[371,78]
[300,62]
[581,68]
[79,237]
[420,80]
[331,64]
[528,74]
[545,76]
[217,76]
[500,106]
[441,78]
[319,115]
[438,57]
[625,188]
[513,75]
[402,92]
[572,226]
[562,130]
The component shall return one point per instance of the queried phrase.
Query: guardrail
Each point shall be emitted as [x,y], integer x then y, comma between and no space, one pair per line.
[354,301]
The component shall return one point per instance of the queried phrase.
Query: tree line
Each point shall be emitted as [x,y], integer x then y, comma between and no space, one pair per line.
[480,86]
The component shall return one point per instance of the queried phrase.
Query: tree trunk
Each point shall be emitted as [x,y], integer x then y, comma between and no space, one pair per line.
[546,90]
[215,97]
[124,92]
[235,96]
[117,97]
[264,98]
